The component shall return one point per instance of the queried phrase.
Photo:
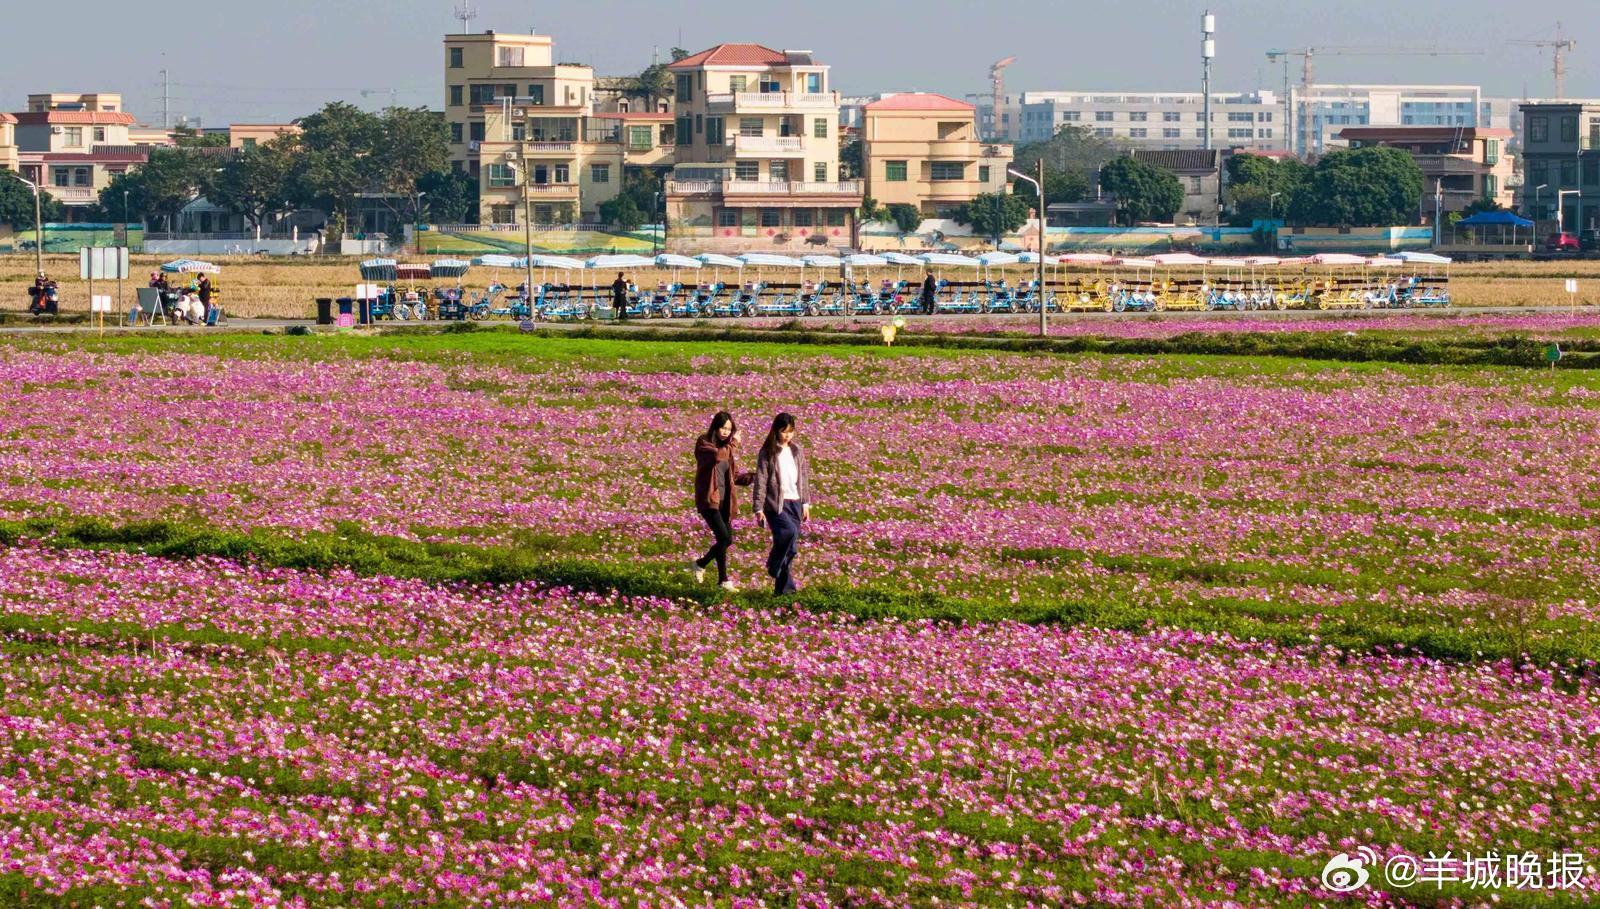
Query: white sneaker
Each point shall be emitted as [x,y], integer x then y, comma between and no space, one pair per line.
[698,572]
[729,586]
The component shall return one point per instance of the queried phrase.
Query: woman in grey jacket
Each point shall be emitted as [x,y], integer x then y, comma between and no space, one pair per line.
[782,498]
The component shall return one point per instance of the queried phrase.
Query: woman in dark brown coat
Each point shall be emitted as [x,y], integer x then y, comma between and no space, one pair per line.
[715,476]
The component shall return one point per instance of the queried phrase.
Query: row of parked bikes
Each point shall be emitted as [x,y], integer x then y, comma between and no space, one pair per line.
[558,302]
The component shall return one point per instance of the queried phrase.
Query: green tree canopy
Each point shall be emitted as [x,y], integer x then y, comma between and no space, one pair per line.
[255,182]
[16,204]
[850,158]
[1254,179]
[1059,186]
[1143,191]
[163,185]
[185,137]
[1073,150]
[338,156]
[906,218]
[994,215]
[414,141]
[622,213]
[1361,187]
[452,198]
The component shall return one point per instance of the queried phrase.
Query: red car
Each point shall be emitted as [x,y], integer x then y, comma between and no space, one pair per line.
[1562,242]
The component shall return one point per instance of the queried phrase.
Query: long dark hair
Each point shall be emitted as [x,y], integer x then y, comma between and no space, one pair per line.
[781,422]
[723,418]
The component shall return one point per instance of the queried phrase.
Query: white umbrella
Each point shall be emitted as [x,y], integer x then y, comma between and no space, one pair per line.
[1032,258]
[668,260]
[865,260]
[561,262]
[947,259]
[1085,258]
[717,261]
[819,261]
[497,260]
[1424,258]
[1134,263]
[895,258]
[1178,259]
[1338,259]
[991,259]
[1385,262]
[619,261]
[770,260]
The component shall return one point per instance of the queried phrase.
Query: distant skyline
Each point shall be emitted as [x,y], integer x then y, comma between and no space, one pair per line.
[270,62]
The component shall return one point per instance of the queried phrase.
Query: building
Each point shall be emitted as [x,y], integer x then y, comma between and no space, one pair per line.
[558,166]
[250,135]
[1200,172]
[74,144]
[758,149]
[623,95]
[8,142]
[923,150]
[1461,164]
[1321,112]
[1561,163]
[487,71]
[1160,120]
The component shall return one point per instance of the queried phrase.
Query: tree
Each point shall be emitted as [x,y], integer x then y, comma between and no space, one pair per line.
[1143,191]
[452,197]
[1253,180]
[906,218]
[338,159]
[1362,187]
[655,82]
[170,179]
[678,53]
[1480,206]
[1059,186]
[414,141]
[850,158]
[16,204]
[622,213]
[994,214]
[255,182]
[870,210]
[185,137]
[1074,149]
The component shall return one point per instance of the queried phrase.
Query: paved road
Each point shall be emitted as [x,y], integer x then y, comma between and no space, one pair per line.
[1021,321]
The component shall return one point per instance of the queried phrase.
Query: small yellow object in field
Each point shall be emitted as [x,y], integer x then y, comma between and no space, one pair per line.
[888,333]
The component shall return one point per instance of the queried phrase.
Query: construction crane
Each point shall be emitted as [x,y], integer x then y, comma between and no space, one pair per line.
[1308,55]
[1559,46]
[997,81]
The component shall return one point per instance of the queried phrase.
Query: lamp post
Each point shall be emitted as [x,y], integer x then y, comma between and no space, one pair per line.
[1562,194]
[416,214]
[38,224]
[1044,302]
[1536,191]
[656,212]
[527,218]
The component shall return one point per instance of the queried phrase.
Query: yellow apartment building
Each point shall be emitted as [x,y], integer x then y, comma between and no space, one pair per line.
[491,72]
[923,150]
[757,159]
[8,142]
[250,135]
[73,144]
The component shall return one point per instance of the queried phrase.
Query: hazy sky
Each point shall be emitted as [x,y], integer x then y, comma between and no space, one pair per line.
[267,61]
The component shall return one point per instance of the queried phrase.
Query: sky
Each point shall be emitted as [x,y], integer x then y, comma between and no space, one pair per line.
[243,62]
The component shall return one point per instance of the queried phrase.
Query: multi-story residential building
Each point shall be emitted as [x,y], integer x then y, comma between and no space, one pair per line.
[1200,172]
[1323,111]
[74,144]
[923,150]
[1561,163]
[558,166]
[250,135]
[8,142]
[758,149]
[1158,120]
[623,95]
[1459,164]
[484,71]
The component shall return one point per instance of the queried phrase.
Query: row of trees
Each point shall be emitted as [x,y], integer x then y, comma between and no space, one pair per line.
[1362,187]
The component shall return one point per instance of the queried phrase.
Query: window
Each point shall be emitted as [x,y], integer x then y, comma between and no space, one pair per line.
[1266,117]
[804,217]
[715,133]
[770,86]
[685,90]
[814,83]
[563,174]
[503,214]
[519,131]
[1569,173]
[1103,132]
[819,172]
[643,136]
[779,171]
[1171,116]
[1236,117]
[1138,132]
[1071,116]
[536,95]
[1241,133]
[455,58]
[1538,172]
[1171,133]
[1200,133]
[455,133]
[699,124]
[737,84]
[1194,185]
[61,176]
[475,132]
[1591,173]
[508,56]
[600,173]
[99,134]
[894,171]
[481,94]
[771,217]
[501,176]
[72,136]
[1138,116]
[750,127]
[455,95]
[948,171]
[747,170]
[1538,129]
[1491,183]
[728,217]
[1569,129]
[1104,116]
[983,173]
[685,127]
[819,128]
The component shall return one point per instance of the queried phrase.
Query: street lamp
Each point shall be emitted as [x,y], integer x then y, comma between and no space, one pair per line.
[38,224]
[527,218]
[1562,194]
[656,212]
[416,213]
[1038,185]
[1536,191]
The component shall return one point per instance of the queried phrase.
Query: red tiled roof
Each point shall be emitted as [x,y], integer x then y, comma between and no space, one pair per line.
[733,55]
[77,117]
[7,118]
[918,101]
[1422,133]
[635,115]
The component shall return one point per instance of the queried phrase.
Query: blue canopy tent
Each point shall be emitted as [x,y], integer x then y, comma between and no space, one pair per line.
[1486,220]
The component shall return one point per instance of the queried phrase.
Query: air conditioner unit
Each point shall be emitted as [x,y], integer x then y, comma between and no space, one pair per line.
[474,146]
[57,130]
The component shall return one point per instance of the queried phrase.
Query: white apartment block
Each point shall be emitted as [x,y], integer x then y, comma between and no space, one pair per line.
[1154,120]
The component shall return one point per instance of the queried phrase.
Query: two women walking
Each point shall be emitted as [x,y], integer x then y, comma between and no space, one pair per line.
[781,496]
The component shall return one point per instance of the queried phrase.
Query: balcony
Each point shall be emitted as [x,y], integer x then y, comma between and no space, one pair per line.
[774,102]
[770,192]
[769,146]
[1446,165]
[965,149]
[538,192]
[74,195]
[547,146]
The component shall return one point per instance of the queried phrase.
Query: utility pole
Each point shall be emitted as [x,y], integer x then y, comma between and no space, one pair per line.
[166,100]
[1208,50]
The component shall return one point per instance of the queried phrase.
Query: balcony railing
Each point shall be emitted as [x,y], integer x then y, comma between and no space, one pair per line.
[765,187]
[768,145]
[1449,164]
[775,100]
[73,195]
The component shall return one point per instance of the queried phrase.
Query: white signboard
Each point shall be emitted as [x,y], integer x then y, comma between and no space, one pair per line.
[103,263]
[1572,285]
[100,303]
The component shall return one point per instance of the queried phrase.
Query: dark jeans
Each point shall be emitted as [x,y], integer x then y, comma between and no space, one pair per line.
[722,531]
[785,526]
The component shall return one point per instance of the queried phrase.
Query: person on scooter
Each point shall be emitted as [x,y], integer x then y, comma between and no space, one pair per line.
[43,295]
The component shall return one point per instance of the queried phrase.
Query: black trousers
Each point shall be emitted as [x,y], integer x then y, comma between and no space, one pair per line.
[722,532]
[785,525]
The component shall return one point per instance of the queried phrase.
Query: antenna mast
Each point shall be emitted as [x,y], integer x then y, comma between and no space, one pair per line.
[466,14]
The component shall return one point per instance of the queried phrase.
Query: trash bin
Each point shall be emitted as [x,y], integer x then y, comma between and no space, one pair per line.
[324,310]
[364,307]
[347,312]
